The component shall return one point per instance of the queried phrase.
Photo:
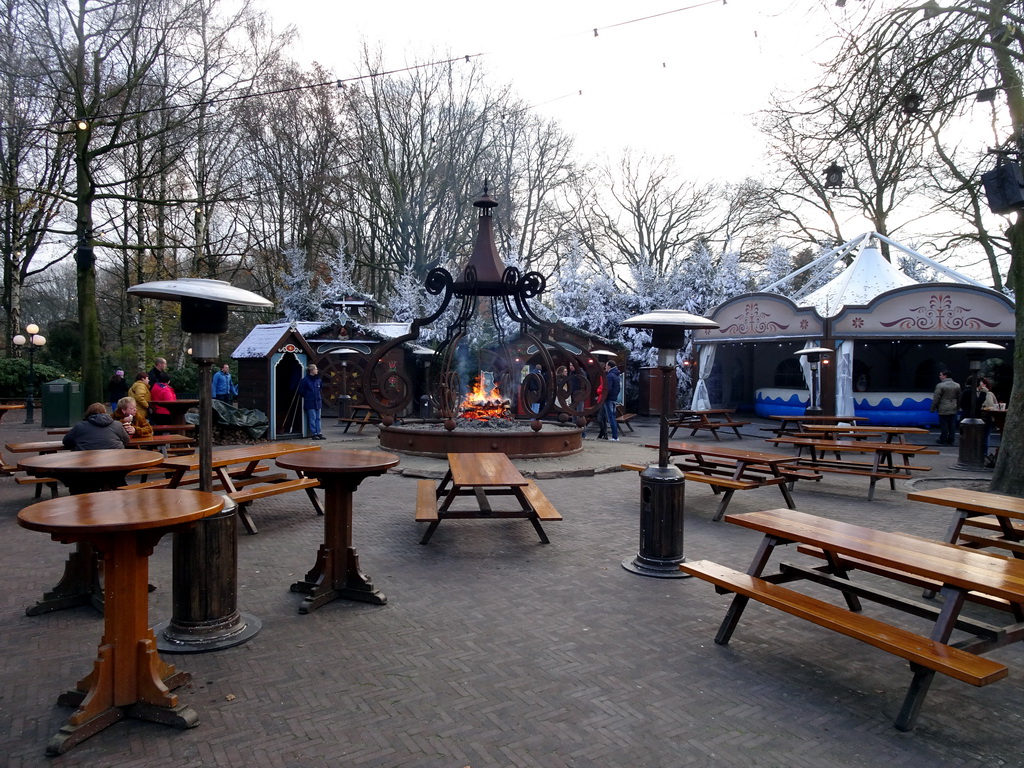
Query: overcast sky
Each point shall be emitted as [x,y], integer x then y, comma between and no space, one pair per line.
[666,76]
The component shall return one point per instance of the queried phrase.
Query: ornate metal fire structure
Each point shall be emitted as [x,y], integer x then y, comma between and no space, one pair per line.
[482,383]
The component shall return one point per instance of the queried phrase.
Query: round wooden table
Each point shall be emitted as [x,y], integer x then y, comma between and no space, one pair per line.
[128,678]
[90,471]
[336,574]
[178,408]
[83,472]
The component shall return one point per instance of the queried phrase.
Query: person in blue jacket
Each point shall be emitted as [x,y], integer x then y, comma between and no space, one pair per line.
[614,384]
[223,387]
[312,402]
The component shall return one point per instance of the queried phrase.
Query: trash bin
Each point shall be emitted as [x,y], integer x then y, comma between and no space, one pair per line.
[62,403]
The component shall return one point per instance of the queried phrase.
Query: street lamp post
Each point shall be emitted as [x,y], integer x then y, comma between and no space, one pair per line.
[663,487]
[814,355]
[971,453]
[32,341]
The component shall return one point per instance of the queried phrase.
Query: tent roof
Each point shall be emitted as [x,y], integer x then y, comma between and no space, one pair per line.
[869,275]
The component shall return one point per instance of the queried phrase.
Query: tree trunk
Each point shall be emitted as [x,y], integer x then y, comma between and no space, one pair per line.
[1007,477]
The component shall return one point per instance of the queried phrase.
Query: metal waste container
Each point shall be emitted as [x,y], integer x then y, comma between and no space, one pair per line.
[62,403]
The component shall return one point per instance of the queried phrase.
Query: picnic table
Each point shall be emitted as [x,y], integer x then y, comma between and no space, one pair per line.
[728,470]
[482,476]
[792,426]
[5,408]
[696,420]
[237,470]
[993,513]
[847,548]
[128,678]
[336,574]
[361,415]
[891,434]
[880,467]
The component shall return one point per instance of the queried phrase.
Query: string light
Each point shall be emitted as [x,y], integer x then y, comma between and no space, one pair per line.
[340,84]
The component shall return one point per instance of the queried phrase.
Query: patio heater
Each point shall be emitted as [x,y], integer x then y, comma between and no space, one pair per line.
[663,487]
[205,602]
[344,399]
[814,355]
[971,455]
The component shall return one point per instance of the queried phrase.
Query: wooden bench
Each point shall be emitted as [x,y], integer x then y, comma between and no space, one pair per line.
[267,487]
[720,480]
[917,649]
[931,586]
[191,478]
[426,501]
[621,417]
[545,509]
[39,482]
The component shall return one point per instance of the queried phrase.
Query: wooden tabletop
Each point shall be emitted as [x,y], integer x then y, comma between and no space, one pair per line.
[819,419]
[725,452]
[112,511]
[338,462]
[974,501]
[858,446]
[240,455]
[854,428]
[140,442]
[36,446]
[706,411]
[945,563]
[479,470]
[84,462]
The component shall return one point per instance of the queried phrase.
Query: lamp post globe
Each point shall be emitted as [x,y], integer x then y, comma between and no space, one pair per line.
[31,341]
[662,486]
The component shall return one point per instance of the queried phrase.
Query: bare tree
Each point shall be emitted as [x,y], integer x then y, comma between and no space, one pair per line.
[945,55]
[34,159]
[641,212]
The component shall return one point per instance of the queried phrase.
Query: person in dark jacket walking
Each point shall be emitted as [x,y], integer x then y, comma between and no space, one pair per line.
[117,388]
[96,432]
[312,402]
[614,385]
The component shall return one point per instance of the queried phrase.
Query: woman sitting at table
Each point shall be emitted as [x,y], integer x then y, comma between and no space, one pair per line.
[97,431]
[134,423]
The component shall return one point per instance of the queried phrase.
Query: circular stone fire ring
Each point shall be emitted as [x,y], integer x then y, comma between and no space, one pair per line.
[437,442]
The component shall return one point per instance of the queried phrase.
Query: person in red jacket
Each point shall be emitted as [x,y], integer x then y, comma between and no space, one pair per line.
[157,393]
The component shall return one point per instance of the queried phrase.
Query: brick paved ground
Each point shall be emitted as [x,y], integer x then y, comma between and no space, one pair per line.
[495,650]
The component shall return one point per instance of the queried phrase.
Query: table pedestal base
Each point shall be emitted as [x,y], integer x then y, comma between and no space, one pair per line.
[182,716]
[336,578]
[80,584]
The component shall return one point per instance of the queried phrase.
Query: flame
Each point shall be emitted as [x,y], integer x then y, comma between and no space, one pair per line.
[483,403]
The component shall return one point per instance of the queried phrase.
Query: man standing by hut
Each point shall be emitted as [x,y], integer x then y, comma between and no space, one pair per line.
[946,402]
[312,402]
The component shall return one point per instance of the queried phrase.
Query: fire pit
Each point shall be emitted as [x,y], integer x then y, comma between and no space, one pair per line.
[543,378]
[485,424]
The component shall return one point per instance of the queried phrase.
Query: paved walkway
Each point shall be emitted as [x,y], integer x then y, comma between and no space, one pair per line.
[496,650]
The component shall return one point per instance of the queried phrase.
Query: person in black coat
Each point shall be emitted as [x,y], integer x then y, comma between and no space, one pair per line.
[96,431]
